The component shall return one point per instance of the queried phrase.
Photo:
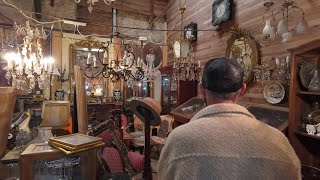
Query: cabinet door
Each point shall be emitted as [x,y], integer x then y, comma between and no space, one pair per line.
[173,94]
[165,97]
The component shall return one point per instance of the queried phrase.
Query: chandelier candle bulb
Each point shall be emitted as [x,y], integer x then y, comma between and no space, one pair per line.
[105,57]
[137,62]
[88,58]
[94,61]
[141,63]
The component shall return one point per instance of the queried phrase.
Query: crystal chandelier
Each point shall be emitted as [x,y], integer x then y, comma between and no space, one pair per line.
[27,65]
[187,69]
[91,3]
[184,66]
[269,31]
[115,67]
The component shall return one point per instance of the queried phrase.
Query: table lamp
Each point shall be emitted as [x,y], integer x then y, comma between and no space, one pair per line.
[54,115]
[148,111]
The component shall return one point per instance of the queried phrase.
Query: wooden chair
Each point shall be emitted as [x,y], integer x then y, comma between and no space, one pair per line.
[116,155]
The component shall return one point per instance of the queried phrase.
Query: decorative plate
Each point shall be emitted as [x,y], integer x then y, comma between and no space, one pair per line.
[274,92]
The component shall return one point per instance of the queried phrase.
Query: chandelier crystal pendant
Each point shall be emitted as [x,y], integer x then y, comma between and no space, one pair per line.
[271,28]
[115,69]
[27,66]
[91,3]
[184,66]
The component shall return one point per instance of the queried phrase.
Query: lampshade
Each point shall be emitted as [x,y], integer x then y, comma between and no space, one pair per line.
[55,114]
[282,26]
[302,26]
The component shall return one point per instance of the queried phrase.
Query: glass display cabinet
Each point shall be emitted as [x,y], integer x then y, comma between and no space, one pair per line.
[187,110]
[42,162]
[175,92]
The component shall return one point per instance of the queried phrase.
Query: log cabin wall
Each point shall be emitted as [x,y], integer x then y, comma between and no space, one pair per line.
[248,15]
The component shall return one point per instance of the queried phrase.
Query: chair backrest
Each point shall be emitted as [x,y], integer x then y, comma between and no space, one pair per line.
[106,136]
[166,125]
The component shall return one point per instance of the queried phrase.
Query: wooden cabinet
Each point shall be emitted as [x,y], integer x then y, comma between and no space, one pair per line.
[175,92]
[41,161]
[306,146]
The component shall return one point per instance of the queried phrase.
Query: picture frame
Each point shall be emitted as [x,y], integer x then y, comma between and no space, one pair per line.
[78,53]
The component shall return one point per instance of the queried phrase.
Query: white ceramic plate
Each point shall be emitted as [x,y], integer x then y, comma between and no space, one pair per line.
[274,92]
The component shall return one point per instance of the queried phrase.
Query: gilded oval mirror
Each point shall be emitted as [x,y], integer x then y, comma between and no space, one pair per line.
[242,47]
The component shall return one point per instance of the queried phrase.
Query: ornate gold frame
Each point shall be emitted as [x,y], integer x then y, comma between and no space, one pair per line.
[89,43]
[237,33]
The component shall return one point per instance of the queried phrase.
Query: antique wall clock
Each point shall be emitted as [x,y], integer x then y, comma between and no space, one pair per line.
[221,11]
[190,32]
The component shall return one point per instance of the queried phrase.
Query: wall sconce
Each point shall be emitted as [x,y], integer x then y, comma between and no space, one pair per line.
[270,30]
[62,77]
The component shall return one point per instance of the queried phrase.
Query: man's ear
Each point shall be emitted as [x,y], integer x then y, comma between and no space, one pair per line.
[243,89]
[203,91]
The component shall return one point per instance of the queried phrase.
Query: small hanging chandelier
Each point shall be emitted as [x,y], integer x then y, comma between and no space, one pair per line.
[270,30]
[91,3]
[184,65]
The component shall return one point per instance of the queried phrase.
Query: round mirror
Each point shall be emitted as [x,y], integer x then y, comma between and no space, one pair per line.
[243,48]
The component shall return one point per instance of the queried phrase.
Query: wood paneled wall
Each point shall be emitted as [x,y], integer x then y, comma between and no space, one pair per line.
[248,15]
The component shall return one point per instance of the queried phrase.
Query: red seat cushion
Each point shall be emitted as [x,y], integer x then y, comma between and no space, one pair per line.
[113,159]
[137,160]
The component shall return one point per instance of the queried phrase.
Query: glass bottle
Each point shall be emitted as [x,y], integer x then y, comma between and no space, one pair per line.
[312,116]
[314,84]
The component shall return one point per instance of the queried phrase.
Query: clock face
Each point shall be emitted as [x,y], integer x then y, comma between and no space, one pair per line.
[189,33]
[221,10]
[176,49]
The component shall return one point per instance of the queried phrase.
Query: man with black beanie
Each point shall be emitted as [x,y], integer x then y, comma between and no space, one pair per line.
[224,140]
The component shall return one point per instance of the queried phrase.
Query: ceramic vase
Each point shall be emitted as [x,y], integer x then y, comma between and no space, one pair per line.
[311,129]
[59,94]
[314,85]
[117,94]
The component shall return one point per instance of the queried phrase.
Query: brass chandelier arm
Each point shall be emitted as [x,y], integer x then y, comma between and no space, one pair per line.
[296,7]
[89,68]
[285,7]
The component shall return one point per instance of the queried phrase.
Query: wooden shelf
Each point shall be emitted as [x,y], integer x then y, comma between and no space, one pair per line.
[309,93]
[301,133]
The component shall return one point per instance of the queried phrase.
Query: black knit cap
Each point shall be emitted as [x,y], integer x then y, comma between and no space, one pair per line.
[222,75]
